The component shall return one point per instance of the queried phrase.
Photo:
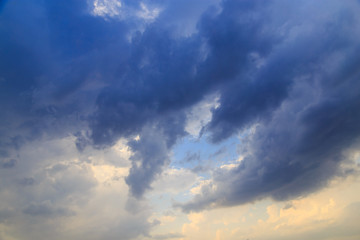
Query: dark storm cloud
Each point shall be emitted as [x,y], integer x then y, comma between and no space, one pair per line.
[166,75]
[258,92]
[82,70]
[306,107]
[292,72]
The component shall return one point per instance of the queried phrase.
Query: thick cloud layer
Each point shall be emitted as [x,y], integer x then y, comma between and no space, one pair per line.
[104,70]
[304,103]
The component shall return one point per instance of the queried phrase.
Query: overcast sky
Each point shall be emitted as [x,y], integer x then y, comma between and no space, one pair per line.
[180,119]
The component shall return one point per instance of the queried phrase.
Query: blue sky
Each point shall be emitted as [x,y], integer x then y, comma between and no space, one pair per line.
[154,119]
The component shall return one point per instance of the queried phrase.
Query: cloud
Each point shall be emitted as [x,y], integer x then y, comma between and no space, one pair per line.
[51,186]
[304,122]
[329,213]
[102,75]
[109,78]
[175,181]
[151,153]
[45,209]
[168,236]
[8,163]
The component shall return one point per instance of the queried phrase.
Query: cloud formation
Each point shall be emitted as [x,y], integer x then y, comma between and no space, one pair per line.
[104,71]
[302,104]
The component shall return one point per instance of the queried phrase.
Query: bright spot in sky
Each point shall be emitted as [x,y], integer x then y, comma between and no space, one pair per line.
[105,8]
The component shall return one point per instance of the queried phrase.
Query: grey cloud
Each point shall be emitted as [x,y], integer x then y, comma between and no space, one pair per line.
[221,151]
[88,73]
[8,163]
[28,181]
[292,73]
[296,153]
[151,154]
[200,168]
[192,156]
[288,206]
[6,214]
[306,119]
[45,209]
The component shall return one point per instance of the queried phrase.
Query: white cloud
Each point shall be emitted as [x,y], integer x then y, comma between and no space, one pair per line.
[200,114]
[147,13]
[106,8]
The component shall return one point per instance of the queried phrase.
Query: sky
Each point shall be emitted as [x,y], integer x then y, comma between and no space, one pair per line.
[187,120]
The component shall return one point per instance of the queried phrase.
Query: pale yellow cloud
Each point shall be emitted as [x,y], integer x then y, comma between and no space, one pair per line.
[195,219]
[325,215]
